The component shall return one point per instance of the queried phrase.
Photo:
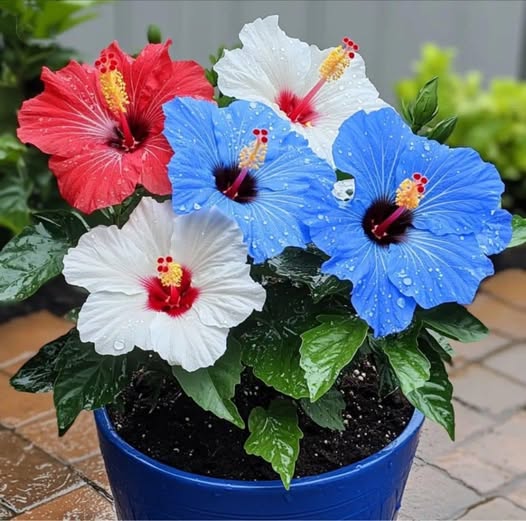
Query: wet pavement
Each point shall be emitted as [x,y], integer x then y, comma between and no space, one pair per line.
[480,476]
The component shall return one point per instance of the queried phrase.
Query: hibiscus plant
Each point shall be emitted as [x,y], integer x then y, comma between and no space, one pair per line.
[294,229]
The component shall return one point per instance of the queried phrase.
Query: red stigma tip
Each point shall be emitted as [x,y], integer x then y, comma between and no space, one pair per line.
[256,132]
[417,176]
[111,55]
[264,139]
[264,131]
[165,269]
[424,180]
[112,67]
[345,39]
[97,63]
[103,59]
[159,269]
[356,47]
[103,70]
[169,259]
[420,189]
[160,260]
[351,55]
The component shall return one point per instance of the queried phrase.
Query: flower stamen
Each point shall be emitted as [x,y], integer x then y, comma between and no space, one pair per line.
[408,197]
[331,69]
[251,157]
[170,273]
[113,88]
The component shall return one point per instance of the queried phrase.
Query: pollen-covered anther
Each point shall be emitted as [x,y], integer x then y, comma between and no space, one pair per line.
[253,156]
[112,84]
[170,273]
[333,67]
[411,191]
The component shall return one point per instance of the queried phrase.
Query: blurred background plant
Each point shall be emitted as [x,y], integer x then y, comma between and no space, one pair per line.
[28,31]
[491,120]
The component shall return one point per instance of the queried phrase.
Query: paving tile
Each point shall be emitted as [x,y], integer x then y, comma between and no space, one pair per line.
[487,390]
[474,351]
[477,474]
[497,508]
[518,494]
[30,476]
[21,337]
[93,469]
[431,494]
[509,285]
[80,441]
[511,362]
[17,408]
[82,504]
[499,317]
[503,446]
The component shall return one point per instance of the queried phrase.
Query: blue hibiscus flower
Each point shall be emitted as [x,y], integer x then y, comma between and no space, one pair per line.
[244,160]
[420,224]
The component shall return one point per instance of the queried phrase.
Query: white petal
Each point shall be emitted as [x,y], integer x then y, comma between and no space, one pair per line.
[268,62]
[186,342]
[115,322]
[111,259]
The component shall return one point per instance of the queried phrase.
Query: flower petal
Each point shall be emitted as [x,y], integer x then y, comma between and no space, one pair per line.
[461,188]
[115,322]
[155,155]
[186,342]
[496,232]
[369,147]
[69,116]
[434,269]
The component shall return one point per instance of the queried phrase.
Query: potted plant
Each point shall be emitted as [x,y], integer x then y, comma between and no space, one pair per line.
[282,268]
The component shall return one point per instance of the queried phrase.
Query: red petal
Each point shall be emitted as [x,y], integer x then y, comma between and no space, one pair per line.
[97,178]
[69,116]
[155,156]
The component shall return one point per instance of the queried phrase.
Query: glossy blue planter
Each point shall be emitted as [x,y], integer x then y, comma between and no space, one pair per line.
[145,489]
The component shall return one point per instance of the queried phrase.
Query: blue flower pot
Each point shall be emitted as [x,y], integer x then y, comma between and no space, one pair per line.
[146,489]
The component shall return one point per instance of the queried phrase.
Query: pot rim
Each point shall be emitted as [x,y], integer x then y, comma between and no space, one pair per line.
[107,430]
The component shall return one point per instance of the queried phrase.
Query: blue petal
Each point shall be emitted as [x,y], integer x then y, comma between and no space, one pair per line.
[374,297]
[461,188]
[434,269]
[496,232]
[368,147]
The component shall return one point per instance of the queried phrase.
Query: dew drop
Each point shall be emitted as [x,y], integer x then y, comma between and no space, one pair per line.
[400,302]
[119,345]
[407,281]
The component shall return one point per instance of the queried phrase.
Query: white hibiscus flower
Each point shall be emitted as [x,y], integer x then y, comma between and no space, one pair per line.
[165,283]
[315,90]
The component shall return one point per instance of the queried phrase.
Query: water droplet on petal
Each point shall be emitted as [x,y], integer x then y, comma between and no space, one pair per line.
[119,345]
[400,302]
[407,281]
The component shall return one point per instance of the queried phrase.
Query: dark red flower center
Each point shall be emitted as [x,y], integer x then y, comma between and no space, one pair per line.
[377,214]
[171,291]
[289,103]
[226,176]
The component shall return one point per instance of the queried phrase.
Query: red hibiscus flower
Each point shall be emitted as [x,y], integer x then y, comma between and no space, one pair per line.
[102,124]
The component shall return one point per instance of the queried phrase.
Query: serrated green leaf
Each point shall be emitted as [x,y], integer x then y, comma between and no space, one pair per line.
[454,321]
[327,349]
[86,380]
[433,398]
[303,266]
[35,256]
[275,436]
[271,338]
[327,411]
[443,129]
[213,388]
[408,362]
[518,225]
[38,374]
[425,107]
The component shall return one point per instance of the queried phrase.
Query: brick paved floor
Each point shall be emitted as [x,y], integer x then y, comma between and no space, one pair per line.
[480,476]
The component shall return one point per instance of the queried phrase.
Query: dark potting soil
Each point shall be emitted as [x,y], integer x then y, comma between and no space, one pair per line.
[177,432]
[56,296]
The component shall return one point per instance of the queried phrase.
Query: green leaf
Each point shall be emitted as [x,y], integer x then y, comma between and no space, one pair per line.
[407,112]
[303,266]
[434,397]
[14,210]
[443,129]
[327,411]
[518,225]
[408,362]
[327,349]
[454,321]
[86,380]
[426,105]
[275,436]
[271,339]
[439,344]
[38,374]
[213,388]
[35,256]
